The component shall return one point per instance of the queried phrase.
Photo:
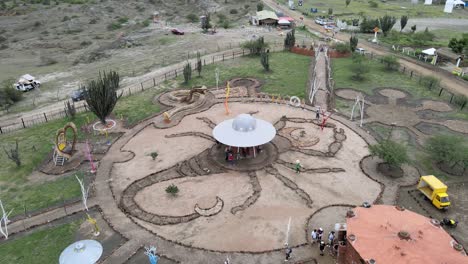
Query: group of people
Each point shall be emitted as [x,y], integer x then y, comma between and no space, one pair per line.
[233,153]
[317,237]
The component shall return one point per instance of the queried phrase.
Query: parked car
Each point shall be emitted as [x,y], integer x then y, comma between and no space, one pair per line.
[26,83]
[360,50]
[78,95]
[175,31]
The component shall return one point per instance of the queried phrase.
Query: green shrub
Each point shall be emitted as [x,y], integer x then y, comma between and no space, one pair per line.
[114,26]
[342,47]
[123,20]
[225,24]
[172,189]
[233,11]
[373,4]
[391,62]
[154,155]
[192,18]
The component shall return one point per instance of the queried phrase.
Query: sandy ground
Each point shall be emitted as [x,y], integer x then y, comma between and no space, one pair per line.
[436,23]
[262,226]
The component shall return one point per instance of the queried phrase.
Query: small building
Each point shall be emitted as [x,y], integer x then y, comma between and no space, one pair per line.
[390,234]
[447,55]
[265,17]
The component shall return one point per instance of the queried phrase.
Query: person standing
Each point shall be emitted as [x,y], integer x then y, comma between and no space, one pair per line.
[319,234]
[321,247]
[317,114]
[298,166]
[331,238]
[288,252]
[314,236]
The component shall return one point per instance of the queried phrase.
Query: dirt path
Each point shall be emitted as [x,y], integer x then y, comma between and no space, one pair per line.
[320,80]
[447,80]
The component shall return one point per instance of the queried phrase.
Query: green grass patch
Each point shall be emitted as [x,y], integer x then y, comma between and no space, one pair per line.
[379,77]
[288,75]
[43,246]
[137,107]
[395,8]
[34,145]
[38,196]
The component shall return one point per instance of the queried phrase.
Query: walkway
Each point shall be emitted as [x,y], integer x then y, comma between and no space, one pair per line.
[320,81]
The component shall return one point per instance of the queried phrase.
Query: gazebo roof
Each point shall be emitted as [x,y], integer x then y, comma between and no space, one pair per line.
[244,131]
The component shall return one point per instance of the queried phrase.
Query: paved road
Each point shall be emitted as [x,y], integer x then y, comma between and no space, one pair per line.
[447,80]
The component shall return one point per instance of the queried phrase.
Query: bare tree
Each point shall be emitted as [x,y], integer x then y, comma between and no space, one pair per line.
[4,221]
[13,154]
[84,193]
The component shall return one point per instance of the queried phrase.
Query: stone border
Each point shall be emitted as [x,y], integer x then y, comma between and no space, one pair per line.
[290,184]
[291,166]
[193,134]
[214,210]
[257,189]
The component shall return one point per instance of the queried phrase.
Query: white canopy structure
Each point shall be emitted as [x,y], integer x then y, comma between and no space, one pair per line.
[430,51]
[244,131]
[81,252]
[284,22]
[449,4]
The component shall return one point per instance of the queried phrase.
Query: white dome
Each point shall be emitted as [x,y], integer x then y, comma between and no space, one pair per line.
[244,123]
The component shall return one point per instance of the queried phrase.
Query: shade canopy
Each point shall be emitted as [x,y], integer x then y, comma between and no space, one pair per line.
[430,51]
[284,22]
[244,131]
[81,252]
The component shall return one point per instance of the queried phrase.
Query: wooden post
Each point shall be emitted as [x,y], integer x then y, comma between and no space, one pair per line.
[441,90]
[411,76]
[451,98]
[45,117]
[233,54]
[142,89]
[223,56]
[1,131]
[154,82]
[243,53]
[165,77]
[22,120]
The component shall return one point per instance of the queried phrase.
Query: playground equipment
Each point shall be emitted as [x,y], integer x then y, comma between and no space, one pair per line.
[151,253]
[194,90]
[360,103]
[64,147]
[167,117]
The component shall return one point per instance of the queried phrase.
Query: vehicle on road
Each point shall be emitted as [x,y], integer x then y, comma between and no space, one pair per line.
[78,95]
[435,191]
[26,83]
[176,31]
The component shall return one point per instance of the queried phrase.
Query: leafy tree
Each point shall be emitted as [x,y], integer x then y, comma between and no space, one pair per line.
[255,46]
[391,62]
[330,11]
[290,40]
[359,67]
[101,94]
[265,60]
[199,64]
[206,23]
[390,152]
[192,18]
[446,149]
[386,23]
[187,73]
[347,2]
[353,42]
[413,28]
[172,189]
[260,6]
[459,45]
[403,22]
[367,25]
[373,4]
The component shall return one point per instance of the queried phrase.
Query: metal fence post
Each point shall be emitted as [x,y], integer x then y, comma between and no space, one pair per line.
[45,117]
[154,82]
[22,120]
[1,131]
[142,89]
[411,75]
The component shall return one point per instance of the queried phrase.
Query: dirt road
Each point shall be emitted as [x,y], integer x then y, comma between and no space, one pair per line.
[447,80]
